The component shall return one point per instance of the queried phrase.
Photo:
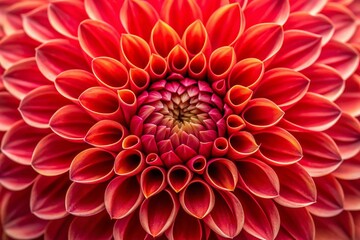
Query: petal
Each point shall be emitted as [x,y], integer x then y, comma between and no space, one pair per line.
[99,39]
[297,188]
[259,178]
[139,80]
[237,97]
[8,111]
[283,86]
[49,160]
[349,169]
[161,32]
[138,18]
[222,174]
[208,8]
[178,177]
[124,228]
[157,67]
[225,25]
[197,164]
[185,227]
[321,156]
[241,144]
[270,139]
[220,147]
[129,162]
[234,123]
[195,39]
[313,112]
[299,50]
[349,100]
[247,72]
[312,7]
[85,199]
[92,165]
[221,62]
[178,60]
[351,194]
[58,229]
[152,180]
[56,56]
[122,196]
[260,41]
[135,50]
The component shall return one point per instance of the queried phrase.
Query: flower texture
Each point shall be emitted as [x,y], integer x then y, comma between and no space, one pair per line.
[179,119]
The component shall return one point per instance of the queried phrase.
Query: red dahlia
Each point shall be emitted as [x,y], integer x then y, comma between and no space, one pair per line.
[179,119]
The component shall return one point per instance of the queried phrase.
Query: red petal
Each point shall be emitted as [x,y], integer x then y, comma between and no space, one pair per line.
[48,160]
[153,159]
[221,62]
[185,227]
[122,196]
[313,112]
[237,97]
[222,174]
[131,142]
[197,164]
[312,7]
[260,179]
[178,60]
[48,196]
[241,144]
[159,33]
[135,50]
[234,123]
[178,177]
[85,199]
[299,50]
[158,212]
[225,25]
[349,169]
[220,147]
[129,162]
[153,180]
[8,111]
[129,228]
[139,80]
[208,7]
[58,229]
[351,194]
[128,104]
[56,56]
[157,67]
[247,72]
[261,41]
[99,39]
[195,39]
[297,188]
[349,100]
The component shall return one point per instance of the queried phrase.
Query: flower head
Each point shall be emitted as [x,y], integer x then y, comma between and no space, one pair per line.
[179,119]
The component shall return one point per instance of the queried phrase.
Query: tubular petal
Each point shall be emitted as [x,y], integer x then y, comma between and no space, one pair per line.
[139,80]
[157,67]
[153,181]
[158,212]
[297,188]
[124,228]
[20,140]
[178,177]
[185,227]
[85,199]
[128,104]
[247,72]
[116,204]
[153,159]
[258,177]
[131,142]
[163,38]
[220,147]
[261,41]
[241,144]
[351,194]
[237,97]
[178,60]
[99,39]
[225,25]
[234,123]
[222,174]
[129,162]
[56,56]
[349,101]
[221,62]
[92,165]
[48,196]
[58,229]
[227,217]
[8,110]
[299,50]
[195,39]
[49,161]
[135,50]
[198,66]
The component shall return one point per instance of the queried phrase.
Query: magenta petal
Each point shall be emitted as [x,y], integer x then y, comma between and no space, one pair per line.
[117,205]
[222,174]
[153,180]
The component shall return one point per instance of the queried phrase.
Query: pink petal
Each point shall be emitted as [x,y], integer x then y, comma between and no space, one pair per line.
[258,177]
[312,7]
[261,41]
[178,60]
[129,228]
[225,25]
[8,110]
[48,160]
[195,39]
[48,196]
[297,188]
[20,140]
[71,122]
[237,97]
[160,32]
[227,217]
[247,72]
[62,18]
[16,80]
[349,100]
[129,162]
[85,199]
[313,112]
[117,205]
[58,229]
[135,50]
[178,177]
[185,152]
[158,212]
[99,39]
[221,62]
[152,181]
[349,169]
[351,194]
[56,56]
[185,227]
[241,144]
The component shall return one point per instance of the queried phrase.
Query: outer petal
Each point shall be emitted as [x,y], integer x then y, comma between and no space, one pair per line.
[185,227]
[247,72]
[237,97]
[351,194]
[58,229]
[152,180]
[8,110]
[349,169]
[129,162]
[307,6]
[178,177]
[129,228]
[135,51]
[241,144]
[222,174]
[160,32]
[195,39]
[349,100]
[221,62]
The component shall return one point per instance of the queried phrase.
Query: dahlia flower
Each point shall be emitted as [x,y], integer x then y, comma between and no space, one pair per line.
[179,119]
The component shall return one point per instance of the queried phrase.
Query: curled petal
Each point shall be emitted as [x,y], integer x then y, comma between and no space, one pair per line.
[247,72]
[271,11]
[48,196]
[129,162]
[198,66]
[330,197]
[72,83]
[62,18]
[312,7]
[178,60]
[98,226]
[283,86]
[241,144]
[185,227]
[221,62]
[56,56]
[299,50]
[197,164]
[99,39]
[8,110]
[138,17]
[160,32]
[153,159]
[48,160]
[227,217]
[131,142]
[139,80]
[237,97]
[351,194]
[234,123]
[40,104]
[158,212]
[117,205]
[124,228]
[71,122]
[270,139]
[92,165]
[152,181]
[349,169]
[20,140]
[321,156]
[195,39]
[261,41]
[85,199]
[135,50]
[157,67]
[297,188]
[128,104]
[225,25]
[16,81]
[178,177]
[220,147]
[222,174]
[58,229]
[258,177]
[340,56]
[349,100]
